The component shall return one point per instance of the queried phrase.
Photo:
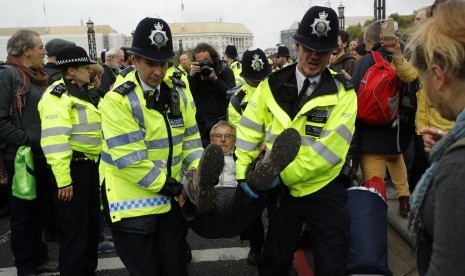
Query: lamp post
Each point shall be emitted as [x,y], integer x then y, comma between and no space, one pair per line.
[340,9]
[91,40]
[380,9]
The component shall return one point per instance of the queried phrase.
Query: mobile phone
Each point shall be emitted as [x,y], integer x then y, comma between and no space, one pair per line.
[387,29]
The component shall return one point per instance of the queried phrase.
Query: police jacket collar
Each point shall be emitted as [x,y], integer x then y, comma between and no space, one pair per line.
[78,91]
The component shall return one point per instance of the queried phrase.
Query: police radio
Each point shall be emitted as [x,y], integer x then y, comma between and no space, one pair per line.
[175,105]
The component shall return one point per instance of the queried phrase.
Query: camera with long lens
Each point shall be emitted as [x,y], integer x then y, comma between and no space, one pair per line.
[205,66]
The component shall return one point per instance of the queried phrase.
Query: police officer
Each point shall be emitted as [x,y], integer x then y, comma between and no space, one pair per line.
[255,70]
[150,134]
[322,108]
[282,57]
[234,64]
[72,141]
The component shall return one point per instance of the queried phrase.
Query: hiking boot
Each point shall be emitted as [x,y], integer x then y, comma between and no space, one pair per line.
[200,183]
[106,247]
[47,267]
[285,149]
[404,206]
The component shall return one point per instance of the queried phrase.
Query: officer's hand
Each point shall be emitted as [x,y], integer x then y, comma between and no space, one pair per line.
[66,193]
[172,187]
[195,69]
[180,200]
[247,190]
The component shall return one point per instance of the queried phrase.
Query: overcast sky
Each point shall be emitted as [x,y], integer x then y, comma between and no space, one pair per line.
[264,18]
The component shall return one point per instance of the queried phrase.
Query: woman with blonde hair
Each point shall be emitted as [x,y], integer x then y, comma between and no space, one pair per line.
[437,205]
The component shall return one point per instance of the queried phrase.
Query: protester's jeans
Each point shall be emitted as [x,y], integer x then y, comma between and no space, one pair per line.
[374,164]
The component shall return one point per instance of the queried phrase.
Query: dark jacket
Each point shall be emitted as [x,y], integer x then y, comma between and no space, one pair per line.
[108,77]
[210,99]
[346,62]
[29,132]
[375,139]
[53,73]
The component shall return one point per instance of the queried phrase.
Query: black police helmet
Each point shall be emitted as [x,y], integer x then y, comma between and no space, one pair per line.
[152,40]
[318,29]
[231,51]
[255,65]
[72,56]
[283,51]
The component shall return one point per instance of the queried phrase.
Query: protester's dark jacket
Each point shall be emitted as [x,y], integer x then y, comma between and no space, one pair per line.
[108,77]
[53,73]
[29,132]
[210,97]
[375,139]
[346,62]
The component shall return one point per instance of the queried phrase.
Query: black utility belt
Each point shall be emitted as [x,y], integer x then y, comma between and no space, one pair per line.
[80,157]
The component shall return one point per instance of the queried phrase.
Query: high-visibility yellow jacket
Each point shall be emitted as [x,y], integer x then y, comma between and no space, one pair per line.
[243,94]
[69,122]
[143,147]
[236,67]
[426,115]
[326,124]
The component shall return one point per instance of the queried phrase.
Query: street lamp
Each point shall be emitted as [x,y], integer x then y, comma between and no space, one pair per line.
[91,40]
[380,9]
[340,9]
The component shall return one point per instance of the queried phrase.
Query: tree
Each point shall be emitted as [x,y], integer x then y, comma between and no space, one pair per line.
[355,32]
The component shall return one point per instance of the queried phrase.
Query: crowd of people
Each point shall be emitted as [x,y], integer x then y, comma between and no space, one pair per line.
[151,148]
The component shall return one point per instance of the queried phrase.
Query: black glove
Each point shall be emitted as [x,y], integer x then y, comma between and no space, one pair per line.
[172,187]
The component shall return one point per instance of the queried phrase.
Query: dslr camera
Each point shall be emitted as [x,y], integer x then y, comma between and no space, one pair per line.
[205,66]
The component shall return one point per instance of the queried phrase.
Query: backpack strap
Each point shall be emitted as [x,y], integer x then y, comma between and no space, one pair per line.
[377,57]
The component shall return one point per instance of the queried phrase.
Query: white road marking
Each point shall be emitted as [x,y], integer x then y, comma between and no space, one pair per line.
[206,255]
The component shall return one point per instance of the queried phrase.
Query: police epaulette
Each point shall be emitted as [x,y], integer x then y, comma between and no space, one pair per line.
[127,70]
[177,82]
[59,90]
[125,88]
[347,84]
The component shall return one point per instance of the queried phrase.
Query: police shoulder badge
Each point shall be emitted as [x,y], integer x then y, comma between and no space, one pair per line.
[257,63]
[158,36]
[320,25]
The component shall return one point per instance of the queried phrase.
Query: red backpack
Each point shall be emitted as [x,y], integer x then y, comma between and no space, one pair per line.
[377,96]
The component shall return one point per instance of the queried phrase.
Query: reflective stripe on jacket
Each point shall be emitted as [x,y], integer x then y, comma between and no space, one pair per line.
[326,124]
[142,147]
[68,123]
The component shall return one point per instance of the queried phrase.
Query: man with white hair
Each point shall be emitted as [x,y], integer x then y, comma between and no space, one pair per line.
[113,61]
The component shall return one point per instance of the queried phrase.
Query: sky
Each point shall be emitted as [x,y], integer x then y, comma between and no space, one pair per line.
[264,18]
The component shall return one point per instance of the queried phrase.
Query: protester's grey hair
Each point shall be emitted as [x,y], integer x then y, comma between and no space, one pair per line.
[22,38]
[223,123]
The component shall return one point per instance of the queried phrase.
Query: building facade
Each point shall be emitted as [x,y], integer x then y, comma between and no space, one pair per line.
[105,37]
[217,34]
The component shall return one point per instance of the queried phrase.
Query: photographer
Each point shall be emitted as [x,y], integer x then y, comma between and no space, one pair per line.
[209,79]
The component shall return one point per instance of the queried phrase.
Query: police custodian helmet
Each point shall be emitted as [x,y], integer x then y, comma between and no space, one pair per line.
[72,56]
[318,29]
[255,65]
[152,40]
[231,51]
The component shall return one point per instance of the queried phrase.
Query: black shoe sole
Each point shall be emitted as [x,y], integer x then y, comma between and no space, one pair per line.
[285,149]
[210,168]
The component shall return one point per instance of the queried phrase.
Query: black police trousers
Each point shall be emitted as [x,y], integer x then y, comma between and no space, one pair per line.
[329,221]
[152,245]
[78,220]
